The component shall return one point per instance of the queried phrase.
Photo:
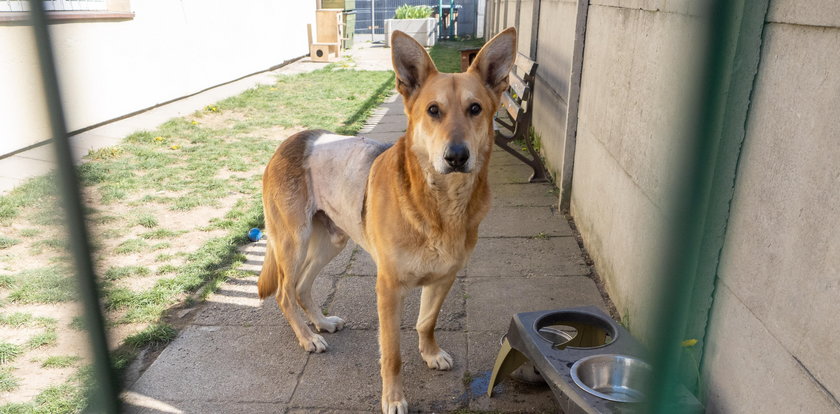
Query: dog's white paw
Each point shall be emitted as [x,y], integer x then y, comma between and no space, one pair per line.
[315,343]
[441,361]
[330,324]
[394,407]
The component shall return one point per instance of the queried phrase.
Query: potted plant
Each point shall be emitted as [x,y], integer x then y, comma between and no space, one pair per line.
[415,21]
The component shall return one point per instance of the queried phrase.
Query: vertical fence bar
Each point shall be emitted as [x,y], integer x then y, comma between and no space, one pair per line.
[104,398]
[732,38]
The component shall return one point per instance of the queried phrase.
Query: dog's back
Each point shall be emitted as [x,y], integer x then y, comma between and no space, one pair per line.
[315,175]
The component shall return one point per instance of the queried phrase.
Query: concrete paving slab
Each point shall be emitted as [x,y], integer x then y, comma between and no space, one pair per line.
[225,363]
[508,396]
[355,302]
[510,174]
[139,404]
[236,303]
[20,168]
[392,126]
[503,158]
[390,137]
[491,302]
[524,222]
[518,195]
[516,257]
[352,365]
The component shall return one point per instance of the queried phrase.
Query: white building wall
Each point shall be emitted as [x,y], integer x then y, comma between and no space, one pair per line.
[170,49]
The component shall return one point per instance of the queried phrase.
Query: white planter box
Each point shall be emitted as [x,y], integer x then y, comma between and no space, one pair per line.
[422,30]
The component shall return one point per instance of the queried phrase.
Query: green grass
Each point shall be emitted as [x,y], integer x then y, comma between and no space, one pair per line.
[43,285]
[78,323]
[447,56]
[131,246]
[60,361]
[22,319]
[8,382]
[160,234]
[146,220]
[6,242]
[9,352]
[121,272]
[154,336]
[46,338]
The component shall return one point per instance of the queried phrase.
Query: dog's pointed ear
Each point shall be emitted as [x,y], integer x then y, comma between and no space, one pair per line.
[411,63]
[495,60]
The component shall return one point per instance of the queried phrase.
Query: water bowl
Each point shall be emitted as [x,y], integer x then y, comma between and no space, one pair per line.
[613,377]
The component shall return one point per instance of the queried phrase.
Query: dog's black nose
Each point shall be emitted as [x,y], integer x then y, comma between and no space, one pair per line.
[456,155]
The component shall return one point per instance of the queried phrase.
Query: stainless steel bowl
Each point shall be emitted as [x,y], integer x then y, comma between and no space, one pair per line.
[612,377]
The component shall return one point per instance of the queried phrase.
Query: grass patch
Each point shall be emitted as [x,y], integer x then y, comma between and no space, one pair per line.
[447,56]
[8,382]
[121,272]
[6,242]
[17,319]
[78,323]
[46,338]
[154,336]
[43,285]
[56,244]
[23,319]
[30,232]
[60,361]
[131,246]
[146,220]
[160,234]
[9,352]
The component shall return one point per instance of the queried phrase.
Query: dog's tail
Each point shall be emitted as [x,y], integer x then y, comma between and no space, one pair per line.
[268,281]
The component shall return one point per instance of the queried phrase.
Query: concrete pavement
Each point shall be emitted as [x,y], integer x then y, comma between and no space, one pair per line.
[238,354]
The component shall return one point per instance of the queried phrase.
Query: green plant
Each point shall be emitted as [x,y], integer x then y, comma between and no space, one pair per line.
[63,361]
[120,272]
[9,352]
[8,382]
[46,338]
[43,285]
[413,12]
[6,242]
[154,335]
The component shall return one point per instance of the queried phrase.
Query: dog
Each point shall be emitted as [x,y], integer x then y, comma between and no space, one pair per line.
[414,206]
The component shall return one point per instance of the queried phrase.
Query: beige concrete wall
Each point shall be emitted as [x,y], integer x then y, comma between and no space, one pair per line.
[773,337]
[636,76]
[554,54]
[170,49]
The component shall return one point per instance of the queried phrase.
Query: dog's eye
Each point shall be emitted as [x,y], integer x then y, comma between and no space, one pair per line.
[475,109]
[433,110]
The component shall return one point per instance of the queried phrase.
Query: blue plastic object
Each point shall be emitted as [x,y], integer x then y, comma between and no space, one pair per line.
[255,234]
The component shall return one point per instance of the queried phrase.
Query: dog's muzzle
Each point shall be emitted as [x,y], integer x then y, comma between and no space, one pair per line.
[456,157]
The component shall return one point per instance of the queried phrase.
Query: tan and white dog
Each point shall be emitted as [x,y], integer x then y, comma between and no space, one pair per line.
[414,206]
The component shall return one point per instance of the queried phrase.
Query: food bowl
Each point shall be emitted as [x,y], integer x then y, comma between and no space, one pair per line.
[575,329]
[613,377]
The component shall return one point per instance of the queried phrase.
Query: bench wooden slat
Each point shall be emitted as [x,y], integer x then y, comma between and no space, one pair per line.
[510,105]
[518,85]
[524,64]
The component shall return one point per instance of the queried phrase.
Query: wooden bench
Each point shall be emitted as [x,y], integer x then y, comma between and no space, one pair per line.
[513,120]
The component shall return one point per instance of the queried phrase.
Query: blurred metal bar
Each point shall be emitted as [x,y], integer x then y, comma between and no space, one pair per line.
[701,200]
[104,398]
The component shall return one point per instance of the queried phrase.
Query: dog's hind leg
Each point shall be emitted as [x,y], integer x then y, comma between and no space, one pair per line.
[291,257]
[325,243]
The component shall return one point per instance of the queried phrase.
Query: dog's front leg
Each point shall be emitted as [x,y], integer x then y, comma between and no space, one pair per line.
[389,305]
[430,302]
